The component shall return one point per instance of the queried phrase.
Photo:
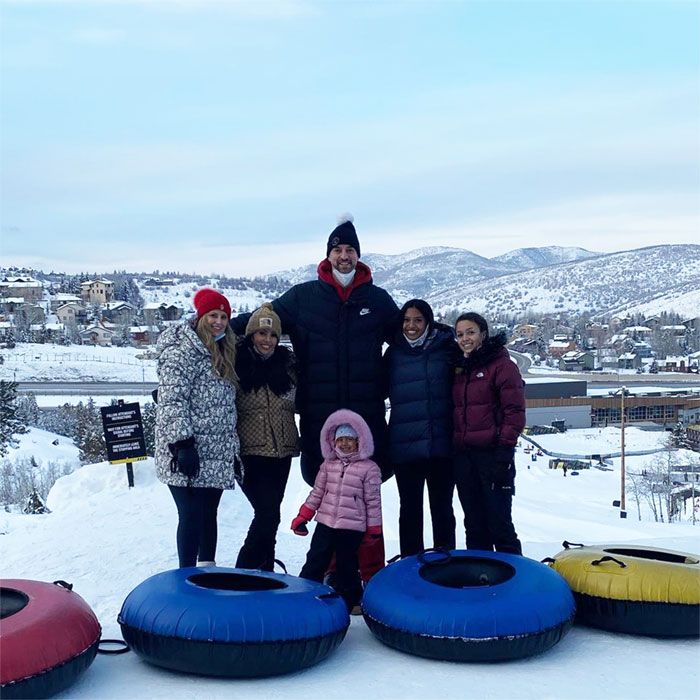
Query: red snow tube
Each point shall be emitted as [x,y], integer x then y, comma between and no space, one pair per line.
[48,637]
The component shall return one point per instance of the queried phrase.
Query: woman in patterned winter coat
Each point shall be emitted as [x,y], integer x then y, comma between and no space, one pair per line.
[489,415]
[196,442]
[267,431]
[347,501]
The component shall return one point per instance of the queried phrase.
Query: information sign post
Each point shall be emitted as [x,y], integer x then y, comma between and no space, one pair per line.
[123,432]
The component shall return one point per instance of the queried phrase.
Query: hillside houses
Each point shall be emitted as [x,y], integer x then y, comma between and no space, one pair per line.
[32,311]
[26,288]
[577,360]
[154,313]
[621,344]
[97,291]
[72,314]
[617,344]
[112,310]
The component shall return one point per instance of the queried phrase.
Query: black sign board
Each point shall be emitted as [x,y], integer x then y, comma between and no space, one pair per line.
[123,431]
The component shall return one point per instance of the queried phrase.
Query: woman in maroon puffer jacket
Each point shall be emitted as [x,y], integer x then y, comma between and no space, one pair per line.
[489,415]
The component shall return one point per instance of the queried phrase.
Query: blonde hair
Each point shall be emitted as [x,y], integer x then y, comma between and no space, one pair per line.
[223,358]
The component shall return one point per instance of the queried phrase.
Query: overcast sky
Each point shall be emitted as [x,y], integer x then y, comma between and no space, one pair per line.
[225,137]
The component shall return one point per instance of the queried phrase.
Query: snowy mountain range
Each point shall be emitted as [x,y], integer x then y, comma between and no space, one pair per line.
[515,285]
[541,280]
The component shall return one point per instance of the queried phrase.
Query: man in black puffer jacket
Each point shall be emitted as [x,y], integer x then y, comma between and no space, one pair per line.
[337,325]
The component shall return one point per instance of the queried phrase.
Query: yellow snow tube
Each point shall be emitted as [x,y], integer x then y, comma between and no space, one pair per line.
[633,589]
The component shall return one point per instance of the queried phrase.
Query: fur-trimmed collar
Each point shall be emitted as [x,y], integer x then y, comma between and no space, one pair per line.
[255,372]
[363,275]
[365,441]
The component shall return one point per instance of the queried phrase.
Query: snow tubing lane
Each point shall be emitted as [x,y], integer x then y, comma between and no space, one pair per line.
[468,605]
[48,637]
[634,589]
[232,622]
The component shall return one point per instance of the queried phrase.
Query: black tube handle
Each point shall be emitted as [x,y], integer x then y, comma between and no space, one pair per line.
[547,560]
[597,562]
[63,584]
[281,565]
[122,646]
[446,556]
[567,545]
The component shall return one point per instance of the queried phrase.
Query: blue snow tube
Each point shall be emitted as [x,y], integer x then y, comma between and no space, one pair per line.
[468,605]
[232,622]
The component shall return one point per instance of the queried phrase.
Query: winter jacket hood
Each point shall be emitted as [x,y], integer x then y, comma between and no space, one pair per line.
[363,275]
[347,492]
[365,446]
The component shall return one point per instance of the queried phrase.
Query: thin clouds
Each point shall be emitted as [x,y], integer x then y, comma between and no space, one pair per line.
[159,120]
[361,154]
[264,9]
[602,224]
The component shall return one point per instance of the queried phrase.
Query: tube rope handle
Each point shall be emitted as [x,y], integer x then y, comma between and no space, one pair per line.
[63,584]
[433,562]
[547,560]
[597,562]
[567,545]
[122,646]
[281,565]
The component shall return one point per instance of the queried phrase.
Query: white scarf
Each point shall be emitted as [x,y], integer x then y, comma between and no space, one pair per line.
[344,278]
[418,341]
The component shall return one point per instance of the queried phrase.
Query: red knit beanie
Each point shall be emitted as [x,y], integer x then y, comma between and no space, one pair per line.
[206,300]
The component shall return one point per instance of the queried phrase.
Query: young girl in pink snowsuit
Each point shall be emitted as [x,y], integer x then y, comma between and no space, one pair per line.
[346,499]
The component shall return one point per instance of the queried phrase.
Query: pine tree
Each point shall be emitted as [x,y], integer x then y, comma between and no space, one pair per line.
[61,420]
[89,438]
[10,424]
[27,409]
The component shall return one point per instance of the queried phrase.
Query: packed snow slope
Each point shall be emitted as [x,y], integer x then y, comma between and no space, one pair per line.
[35,362]
[105,539]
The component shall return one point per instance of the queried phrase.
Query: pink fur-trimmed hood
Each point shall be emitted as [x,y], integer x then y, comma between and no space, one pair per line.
[364,434]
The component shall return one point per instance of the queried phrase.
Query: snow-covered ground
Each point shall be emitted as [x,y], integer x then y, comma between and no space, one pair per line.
[29,362]
[54,400]
[602,440]
[181,295]
[105,539]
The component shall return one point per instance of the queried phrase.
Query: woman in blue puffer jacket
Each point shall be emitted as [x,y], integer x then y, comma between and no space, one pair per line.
[420,366]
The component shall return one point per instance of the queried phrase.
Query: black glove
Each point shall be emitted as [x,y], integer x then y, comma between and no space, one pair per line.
[185,458]
[502,474]
[503,467]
